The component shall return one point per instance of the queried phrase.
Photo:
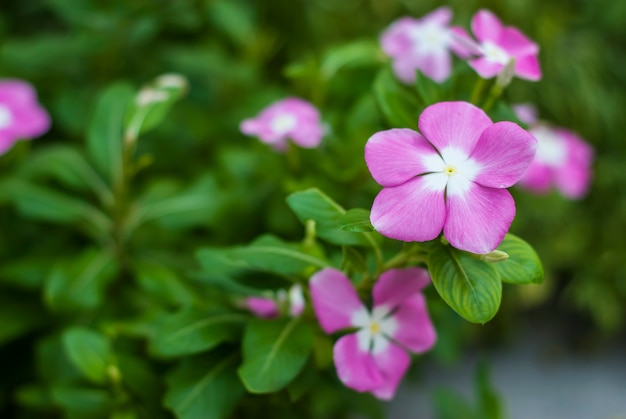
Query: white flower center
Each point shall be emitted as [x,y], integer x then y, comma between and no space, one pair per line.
[430,37]
[454,171]
[283,123]
[6,117]
[376,328]
[551,149]
[494,53]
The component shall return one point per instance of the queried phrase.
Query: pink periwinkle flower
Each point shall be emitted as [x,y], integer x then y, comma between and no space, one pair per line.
[21,117]
[374,358]
[269,307]
[563,159]
[451,177]
[290,118]
[497,45]
[422,44]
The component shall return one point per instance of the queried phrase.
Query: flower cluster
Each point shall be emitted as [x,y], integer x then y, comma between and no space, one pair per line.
[270,307]
[21,117]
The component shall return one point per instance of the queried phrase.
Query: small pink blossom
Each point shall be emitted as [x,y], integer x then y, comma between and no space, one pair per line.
[497,45]
[21,117]
[422,44]
[290,118]
[563,159]
[374,358]
[451,177]
[269,307]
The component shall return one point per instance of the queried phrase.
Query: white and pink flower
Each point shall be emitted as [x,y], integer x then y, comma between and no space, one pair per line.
[375,357]
[451,177]
[290,118]
[422,44]
[563,159]
[270,307]
[21,116]
[497,45]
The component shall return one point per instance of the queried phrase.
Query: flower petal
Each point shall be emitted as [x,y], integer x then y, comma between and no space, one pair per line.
[356,368]
[485,68]
[537,178]
[504,152]
[513,41]
[415,330]
[413,211]
[396,285]
[437,65]
[395,41]
[478,219]
[440,16]
[486,26]
[462,44]
[262,307]
[573,178]
[392,363]
[335,300]
[453,124]
[397,155]
[527,67]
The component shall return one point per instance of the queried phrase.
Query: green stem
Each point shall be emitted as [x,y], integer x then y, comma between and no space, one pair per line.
[477,92]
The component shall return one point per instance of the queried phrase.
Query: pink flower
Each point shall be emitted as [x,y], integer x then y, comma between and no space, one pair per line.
[452,177]
[21,117]
[563,159]
[374,358]
[498,45]
[291,118]
[421,44]
[267,308]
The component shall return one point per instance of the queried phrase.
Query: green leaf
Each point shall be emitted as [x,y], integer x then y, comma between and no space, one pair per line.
[397,104]
[90,352]
[204,387]
[83,403]
[105,132]
[140,379]
[192,330]
[450,405]
[18,316]
[274,352]
[356,220]
[313,204]
[523,265]
[489,403]
[353,54]
[162,283]
[470,286]
[80,283]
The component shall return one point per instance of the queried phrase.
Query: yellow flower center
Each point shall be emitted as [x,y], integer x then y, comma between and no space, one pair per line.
[374,328]
[450,170]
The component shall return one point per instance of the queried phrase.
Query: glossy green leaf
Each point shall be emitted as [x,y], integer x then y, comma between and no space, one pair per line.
[80,283]
[163,283]
[83,403]
[523,265]
[105,131]
[204,387]
[192,330]
[313,204]
[470,286]
[353,54]
[396,102]
[356,220]
[90,352]
[274,353]
[18,315]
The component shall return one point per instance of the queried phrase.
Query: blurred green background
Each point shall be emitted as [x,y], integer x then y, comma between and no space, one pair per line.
[238,56]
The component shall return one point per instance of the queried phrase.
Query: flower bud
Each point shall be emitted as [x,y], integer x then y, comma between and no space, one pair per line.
[494,256]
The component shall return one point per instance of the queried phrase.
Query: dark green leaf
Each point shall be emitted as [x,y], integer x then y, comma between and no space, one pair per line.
[470,286]
[83,403]
[18,316]
[397,104]
[90,352]
[204,387]
[450,405]
[356,220]
[191,331]
[353,54]
[489,403]
[313,204]
[274,352]
[163,283]
[523,265]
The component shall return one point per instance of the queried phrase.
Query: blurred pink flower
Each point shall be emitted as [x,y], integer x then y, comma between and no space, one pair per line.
[266,307]
[497,45]
[21,117]
[374,358]
[563,159]
[422,44]
[289,118]
[451,177]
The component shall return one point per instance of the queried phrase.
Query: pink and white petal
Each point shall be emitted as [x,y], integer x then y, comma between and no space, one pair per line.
[395,41]
[516,43]
[537,178]
[17,93]
[405,68]
[462,43]
[392,362]
[527,68]
[485,68]
[453,124]
[478,220]
[573,178]
[486,26]
[503,152]
[334,299]
[394,156]
[526,112]
[6,141]
[441,16]
[262,307]
[396,285]
[413,211]
[415,330]
[308,135]
[437,65]
[30,121]
[356,368]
